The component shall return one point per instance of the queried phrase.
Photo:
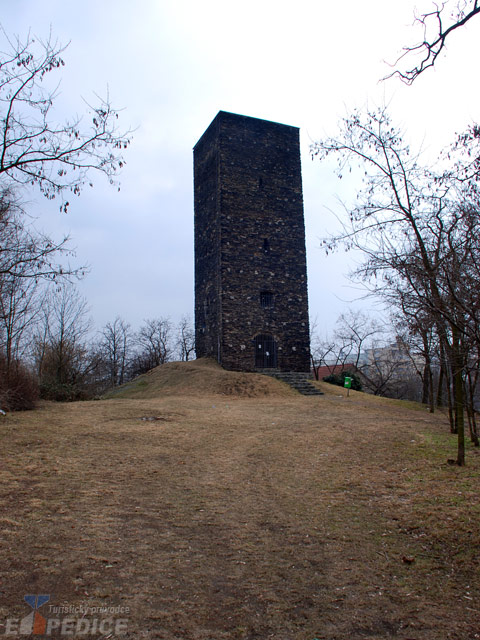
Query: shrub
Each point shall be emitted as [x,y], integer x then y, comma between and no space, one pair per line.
[62,392]
[18,387]
[339,379]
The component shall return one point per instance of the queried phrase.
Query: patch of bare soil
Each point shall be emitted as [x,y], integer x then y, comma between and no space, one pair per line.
[222,517]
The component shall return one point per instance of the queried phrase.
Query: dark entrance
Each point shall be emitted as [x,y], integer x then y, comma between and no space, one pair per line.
[265,351]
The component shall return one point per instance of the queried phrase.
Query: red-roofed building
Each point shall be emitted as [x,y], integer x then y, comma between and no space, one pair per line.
[329,370]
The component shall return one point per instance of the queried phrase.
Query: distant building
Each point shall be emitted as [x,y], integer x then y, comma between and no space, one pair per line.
[251,305]
[323,371]
[393,359]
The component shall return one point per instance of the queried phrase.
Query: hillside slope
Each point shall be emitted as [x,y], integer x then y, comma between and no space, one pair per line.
[197,378]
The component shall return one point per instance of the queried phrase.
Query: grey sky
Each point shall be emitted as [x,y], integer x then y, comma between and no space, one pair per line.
[172,65]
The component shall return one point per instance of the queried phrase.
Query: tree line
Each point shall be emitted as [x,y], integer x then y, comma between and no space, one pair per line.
[42,327]
[48,349]
[376,353]
[417,229]
[416,226]
[389,358]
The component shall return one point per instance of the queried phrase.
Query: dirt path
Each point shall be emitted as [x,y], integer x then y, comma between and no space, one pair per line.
[240,518]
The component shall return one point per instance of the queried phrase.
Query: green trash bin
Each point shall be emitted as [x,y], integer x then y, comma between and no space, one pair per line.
[348,383]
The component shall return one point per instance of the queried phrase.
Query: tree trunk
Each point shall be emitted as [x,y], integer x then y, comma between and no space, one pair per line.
[425,383]
[441,377]
[427,391]
[450,400]
[457,362]
[470,394]
[431,398]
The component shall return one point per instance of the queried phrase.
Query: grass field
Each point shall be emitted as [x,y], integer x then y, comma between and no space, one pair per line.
[220,506]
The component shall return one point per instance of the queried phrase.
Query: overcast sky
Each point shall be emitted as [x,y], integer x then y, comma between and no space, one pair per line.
[172,65]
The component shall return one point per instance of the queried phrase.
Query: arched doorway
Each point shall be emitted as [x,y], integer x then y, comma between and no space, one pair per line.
[265,351]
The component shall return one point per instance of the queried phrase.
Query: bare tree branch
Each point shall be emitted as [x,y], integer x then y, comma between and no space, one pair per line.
[36,150]
[26,253]
[432,45]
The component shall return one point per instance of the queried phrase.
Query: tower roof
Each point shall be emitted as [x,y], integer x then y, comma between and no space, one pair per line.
[249,121]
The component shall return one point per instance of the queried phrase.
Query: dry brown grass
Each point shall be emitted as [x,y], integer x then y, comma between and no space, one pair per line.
[241,510]
[199,378]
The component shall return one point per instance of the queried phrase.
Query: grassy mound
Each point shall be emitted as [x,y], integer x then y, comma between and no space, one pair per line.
[198,378]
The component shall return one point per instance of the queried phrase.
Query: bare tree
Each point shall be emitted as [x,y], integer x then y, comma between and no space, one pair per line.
[185,338]
[25,252]
[387,370]
[61,351]
[19,308]
[472,388]
[34,148]
[115,348]
[437,26]
[416,230]
[419,342]
[322,350]
[27,259]
[354,330]
[154,343]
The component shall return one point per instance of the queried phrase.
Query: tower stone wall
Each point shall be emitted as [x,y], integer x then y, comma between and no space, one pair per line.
[251,305]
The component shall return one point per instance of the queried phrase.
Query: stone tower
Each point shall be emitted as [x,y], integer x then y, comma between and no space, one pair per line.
[251,306]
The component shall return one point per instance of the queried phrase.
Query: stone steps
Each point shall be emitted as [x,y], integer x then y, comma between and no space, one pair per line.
[297,380]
